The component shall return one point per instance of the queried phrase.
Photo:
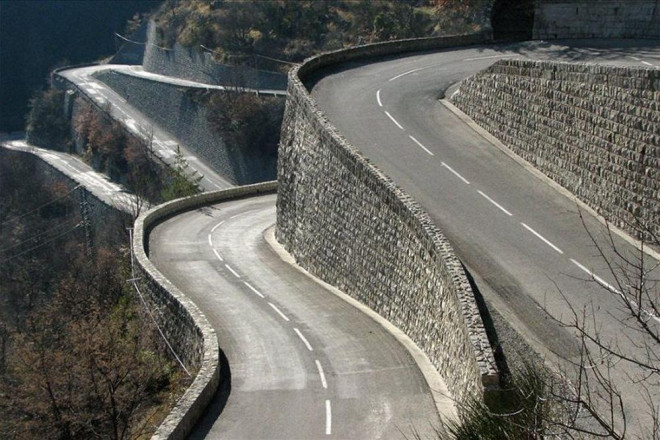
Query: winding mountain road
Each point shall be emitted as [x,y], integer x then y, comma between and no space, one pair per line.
[304,363]
[521,238]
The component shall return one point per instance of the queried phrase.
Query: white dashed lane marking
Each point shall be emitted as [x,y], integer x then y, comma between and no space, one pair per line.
[405,73]
[393,120]
[249,286]
[232,270]
[304,339]
[495,203]
[328,418]
[420,145]
[279,312]
[455,173]
[542,238]
[321,374]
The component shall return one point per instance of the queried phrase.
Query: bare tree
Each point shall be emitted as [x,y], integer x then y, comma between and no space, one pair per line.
[600,390]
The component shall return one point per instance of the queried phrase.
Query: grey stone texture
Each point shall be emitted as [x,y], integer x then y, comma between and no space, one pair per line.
[106,224]
[596,19]
[350,225]
[175,109]
[196,64]
[595,130]
[186,327]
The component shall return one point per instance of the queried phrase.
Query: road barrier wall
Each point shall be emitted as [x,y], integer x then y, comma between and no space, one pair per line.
[184,325]
[596,19]
[350,225]
[106,221]
[197,64]
[176,109]
[595,130]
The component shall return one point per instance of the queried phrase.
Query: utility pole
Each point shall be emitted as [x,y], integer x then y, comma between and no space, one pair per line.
[85,214]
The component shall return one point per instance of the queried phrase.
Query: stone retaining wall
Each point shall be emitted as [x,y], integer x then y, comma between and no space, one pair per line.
[175,109]
[188,330]
[595,130]
[106,223]
[597,19]
[350,225]
[198,65]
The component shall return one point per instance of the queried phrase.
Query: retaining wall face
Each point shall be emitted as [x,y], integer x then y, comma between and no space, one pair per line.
[597,19]
[347,223]
[593,129]
[197,65]
[172,108]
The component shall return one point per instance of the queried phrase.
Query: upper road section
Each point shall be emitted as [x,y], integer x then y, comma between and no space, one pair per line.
[164,143]
[522,240]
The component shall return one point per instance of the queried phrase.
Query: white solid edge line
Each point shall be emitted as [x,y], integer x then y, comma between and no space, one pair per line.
[456,173]
[253,289]
[613,289]
[279,312]
[598,279]
[321,373]
[216,226]
[495,203]
[393,120]
[378,98]
[405,73]
[217,255]
[542,238]
[420,144]
[304,339]
[328,418]
[232,270]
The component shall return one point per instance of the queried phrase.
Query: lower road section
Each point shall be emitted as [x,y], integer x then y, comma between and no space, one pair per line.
[303,363]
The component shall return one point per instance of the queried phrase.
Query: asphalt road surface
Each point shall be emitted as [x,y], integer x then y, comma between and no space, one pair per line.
[522,240]
[303,362]
[97,183]
[164,144]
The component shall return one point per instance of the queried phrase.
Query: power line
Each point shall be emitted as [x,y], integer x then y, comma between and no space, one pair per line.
[42,206]
[148,309]
[41,245]
[39,234]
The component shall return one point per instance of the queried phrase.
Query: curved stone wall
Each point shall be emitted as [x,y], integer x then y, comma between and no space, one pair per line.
[595,130]
[185,326]
[350,225]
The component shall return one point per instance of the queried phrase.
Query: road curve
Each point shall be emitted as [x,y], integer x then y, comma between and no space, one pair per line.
[303,362]
[522,240]
[164,143]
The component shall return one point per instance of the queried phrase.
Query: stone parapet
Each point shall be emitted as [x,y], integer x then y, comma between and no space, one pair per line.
[350,225]
[184,325]
[595,130]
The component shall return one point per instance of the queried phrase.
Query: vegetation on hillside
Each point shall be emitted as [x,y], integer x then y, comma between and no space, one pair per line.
[246,121]
[79,358]
[46,124]
[238,31]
